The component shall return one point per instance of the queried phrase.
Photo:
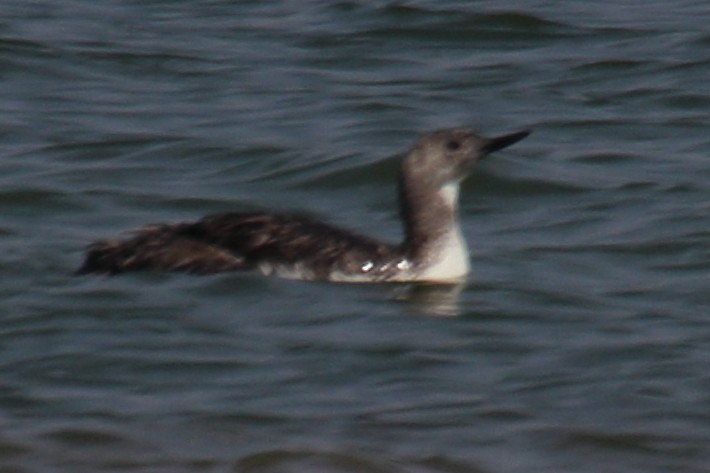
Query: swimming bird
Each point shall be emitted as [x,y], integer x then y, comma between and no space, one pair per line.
[297,247]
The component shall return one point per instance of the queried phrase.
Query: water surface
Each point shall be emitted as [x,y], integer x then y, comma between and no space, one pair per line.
[580,341]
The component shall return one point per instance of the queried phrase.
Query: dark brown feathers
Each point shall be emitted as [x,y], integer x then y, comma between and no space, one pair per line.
[157,247]
[240,241]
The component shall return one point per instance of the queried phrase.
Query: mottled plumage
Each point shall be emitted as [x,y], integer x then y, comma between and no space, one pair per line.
[304,248]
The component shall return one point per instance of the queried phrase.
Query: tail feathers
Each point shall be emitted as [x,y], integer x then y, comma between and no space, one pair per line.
[158,248]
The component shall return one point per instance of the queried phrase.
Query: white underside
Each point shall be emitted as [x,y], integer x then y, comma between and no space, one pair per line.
[452,263]
[448,263]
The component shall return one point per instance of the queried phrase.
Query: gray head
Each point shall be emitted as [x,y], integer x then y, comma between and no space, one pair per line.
[447,156]
[428,196]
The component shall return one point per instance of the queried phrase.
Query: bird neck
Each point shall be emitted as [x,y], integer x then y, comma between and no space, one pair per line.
[430,217]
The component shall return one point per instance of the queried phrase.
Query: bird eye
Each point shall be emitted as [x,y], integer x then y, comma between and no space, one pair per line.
[452,145]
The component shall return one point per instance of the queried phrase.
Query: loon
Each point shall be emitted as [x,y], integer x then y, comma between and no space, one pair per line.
[297,247]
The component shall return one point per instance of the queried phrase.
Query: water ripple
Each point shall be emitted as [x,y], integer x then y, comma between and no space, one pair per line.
[581,333]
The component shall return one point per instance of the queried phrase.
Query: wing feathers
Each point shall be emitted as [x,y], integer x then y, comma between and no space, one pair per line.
[238,241]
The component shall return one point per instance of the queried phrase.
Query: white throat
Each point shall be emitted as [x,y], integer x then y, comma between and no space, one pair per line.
[450,260]
[450,193]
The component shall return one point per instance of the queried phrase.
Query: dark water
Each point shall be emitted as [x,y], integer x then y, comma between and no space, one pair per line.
[582,340]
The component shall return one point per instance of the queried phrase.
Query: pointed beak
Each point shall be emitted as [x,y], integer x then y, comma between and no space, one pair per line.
[500,142]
